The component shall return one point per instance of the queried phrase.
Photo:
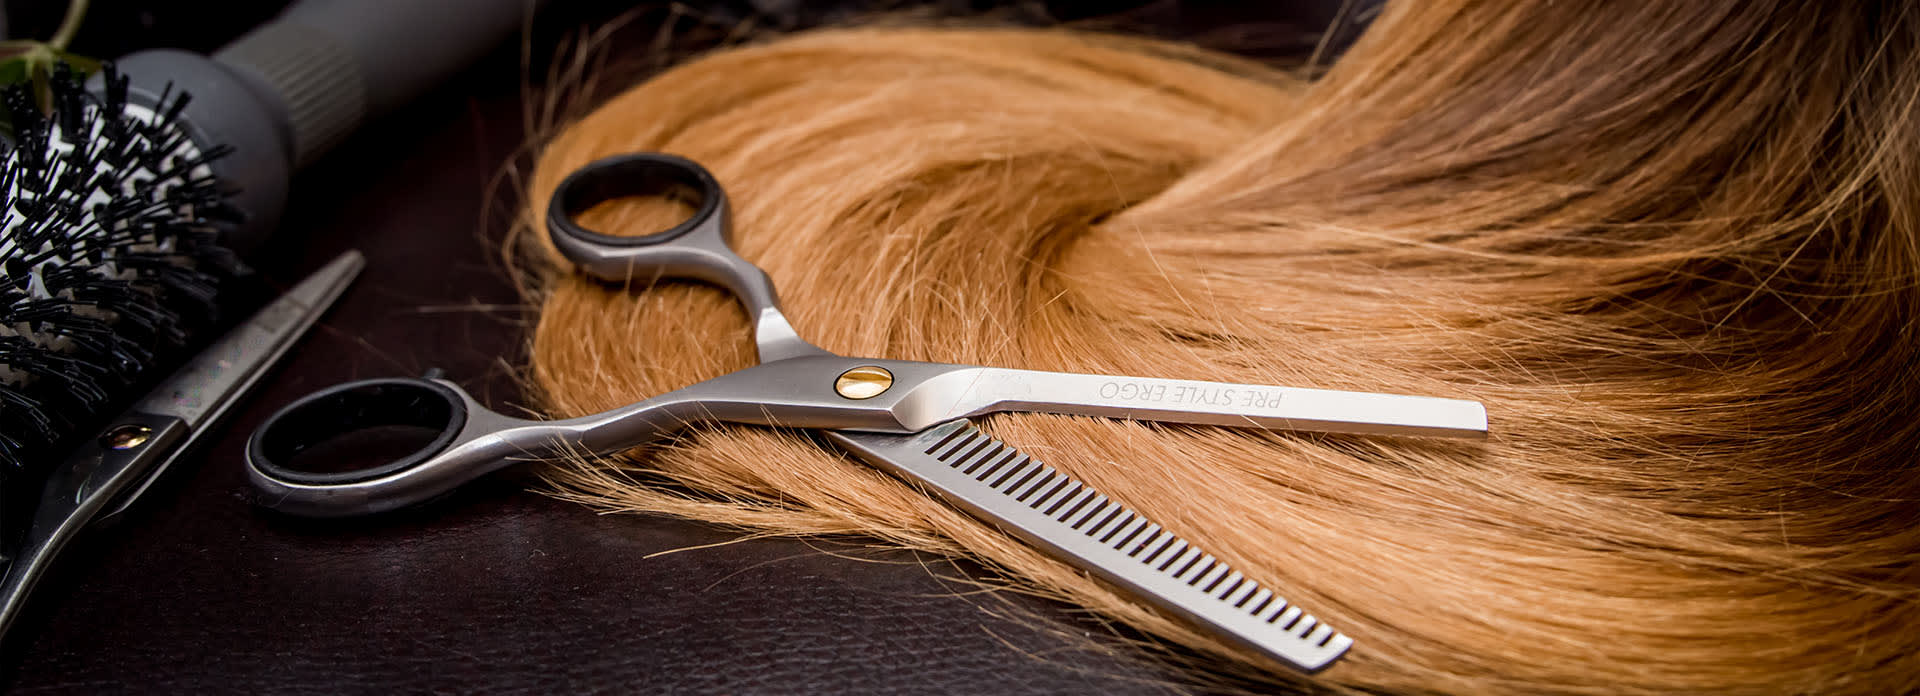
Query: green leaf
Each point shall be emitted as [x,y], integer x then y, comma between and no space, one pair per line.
[13,70]
[32,63]
[22,62]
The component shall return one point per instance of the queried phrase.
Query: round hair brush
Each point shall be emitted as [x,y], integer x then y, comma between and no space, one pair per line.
[125,205]
[109,257]
[122,205]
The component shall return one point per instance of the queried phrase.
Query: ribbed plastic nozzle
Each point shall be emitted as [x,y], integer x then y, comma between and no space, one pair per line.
[291,90]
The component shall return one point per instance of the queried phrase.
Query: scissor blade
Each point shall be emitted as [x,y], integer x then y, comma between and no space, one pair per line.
[972,392]
[217,377]
[1037,503]
[77,490]
[200,393]
[114,468]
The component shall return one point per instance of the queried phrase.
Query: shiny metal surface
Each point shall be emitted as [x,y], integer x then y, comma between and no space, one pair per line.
[805,392]
[78,492]
[697,249]
[1035,502]
[981,390]
[108,473]
[202,392]
[207,385]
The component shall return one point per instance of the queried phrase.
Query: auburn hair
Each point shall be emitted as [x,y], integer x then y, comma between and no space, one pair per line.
[1672,246]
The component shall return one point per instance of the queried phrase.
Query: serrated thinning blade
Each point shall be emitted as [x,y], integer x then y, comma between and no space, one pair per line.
[1052,510]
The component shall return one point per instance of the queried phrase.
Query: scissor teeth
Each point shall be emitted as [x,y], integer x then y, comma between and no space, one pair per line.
[1057,511]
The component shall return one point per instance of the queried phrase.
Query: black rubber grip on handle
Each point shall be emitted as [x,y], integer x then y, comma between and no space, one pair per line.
[350,408]
[640,174]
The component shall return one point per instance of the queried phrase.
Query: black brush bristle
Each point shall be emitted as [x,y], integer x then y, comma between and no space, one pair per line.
[109,258]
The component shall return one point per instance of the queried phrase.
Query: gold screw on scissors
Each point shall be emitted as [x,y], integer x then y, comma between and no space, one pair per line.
[864,382]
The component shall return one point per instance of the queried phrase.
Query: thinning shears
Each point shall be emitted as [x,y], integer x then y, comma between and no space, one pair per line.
[906,417]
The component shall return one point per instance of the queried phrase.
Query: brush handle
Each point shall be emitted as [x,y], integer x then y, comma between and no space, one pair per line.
[289,91]
[331,64]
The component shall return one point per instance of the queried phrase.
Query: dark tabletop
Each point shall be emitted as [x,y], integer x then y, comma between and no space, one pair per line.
[496,589]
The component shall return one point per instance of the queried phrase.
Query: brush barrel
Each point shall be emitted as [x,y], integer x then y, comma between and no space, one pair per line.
[332,64]
[223,111]
[288,92]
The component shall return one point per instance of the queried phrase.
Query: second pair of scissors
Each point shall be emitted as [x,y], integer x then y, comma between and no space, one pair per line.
[907,417]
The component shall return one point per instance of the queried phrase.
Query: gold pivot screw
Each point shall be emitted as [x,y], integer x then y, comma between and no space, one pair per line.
[863,382]
[126,437]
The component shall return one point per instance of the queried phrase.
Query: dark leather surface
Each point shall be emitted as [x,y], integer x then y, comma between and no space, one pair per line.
[496,589]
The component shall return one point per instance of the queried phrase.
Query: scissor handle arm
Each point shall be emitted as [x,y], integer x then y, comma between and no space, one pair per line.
[697,248]
[322,456]
[466,441]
